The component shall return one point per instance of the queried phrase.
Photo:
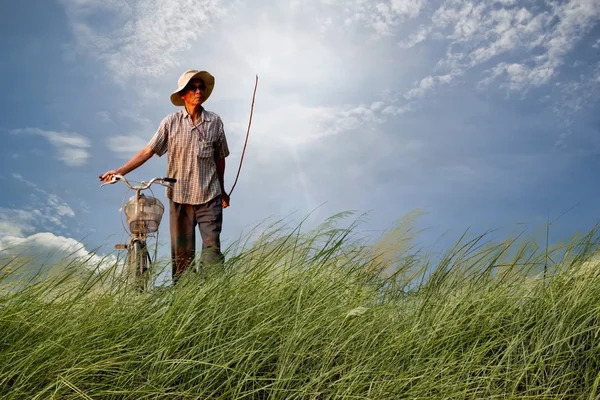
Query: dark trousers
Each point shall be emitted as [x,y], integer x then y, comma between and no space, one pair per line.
[183,220]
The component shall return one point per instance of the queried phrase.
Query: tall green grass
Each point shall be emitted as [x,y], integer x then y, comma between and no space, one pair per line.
[316,315]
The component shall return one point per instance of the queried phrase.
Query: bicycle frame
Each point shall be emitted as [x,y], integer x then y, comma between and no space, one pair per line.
[138,260]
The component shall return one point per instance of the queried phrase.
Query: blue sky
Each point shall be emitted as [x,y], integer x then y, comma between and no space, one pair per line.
[485,114]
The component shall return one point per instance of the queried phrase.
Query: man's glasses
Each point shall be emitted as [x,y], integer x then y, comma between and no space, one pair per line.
[193,88]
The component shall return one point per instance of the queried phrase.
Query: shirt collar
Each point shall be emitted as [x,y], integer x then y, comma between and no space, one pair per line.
[204,116]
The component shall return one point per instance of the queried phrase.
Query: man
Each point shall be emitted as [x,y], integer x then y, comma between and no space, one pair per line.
[195,141]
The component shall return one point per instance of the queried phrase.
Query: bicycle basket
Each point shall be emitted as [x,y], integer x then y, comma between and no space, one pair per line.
[144,216]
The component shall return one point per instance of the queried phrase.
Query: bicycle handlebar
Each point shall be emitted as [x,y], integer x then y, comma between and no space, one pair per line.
[143,186]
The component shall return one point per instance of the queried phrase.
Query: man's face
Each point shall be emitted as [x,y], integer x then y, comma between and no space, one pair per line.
[193,92]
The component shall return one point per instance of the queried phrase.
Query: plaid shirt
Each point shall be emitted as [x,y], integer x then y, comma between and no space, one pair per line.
[192,153]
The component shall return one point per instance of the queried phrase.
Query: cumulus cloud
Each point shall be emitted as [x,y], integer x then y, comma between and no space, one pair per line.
[44,242]
[50,250]
[70,147]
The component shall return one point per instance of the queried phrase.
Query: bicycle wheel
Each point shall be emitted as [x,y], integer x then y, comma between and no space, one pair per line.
[138,265]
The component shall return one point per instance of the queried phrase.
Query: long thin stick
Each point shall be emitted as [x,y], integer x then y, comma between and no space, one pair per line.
[247,134]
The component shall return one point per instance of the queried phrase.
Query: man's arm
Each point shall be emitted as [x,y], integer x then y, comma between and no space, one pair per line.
[221,151]
[221,172]
[140,158]
[220,163]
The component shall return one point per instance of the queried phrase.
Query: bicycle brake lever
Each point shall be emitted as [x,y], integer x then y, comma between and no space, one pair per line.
[113,181]
[168,182]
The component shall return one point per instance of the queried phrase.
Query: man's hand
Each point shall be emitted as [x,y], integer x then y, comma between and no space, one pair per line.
[225,200]
[108,176]
[141,157]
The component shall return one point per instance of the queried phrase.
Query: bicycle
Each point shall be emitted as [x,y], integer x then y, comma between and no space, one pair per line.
[143,215]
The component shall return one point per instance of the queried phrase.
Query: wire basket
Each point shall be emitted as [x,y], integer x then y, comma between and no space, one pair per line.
[144,216]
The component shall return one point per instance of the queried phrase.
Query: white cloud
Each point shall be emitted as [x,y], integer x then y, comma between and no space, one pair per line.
[382,17]
[16,222]
[415,38]
[415,93]
[292,62]
[70,147]
[428,82]
[47,208]
[291,125]
[409,8]
[488,32]
[377,105]
[73,157]
[50,249]
[43,241]
[394,110]
[478,33]
[518,76]
[23,232]
[61,208]
[426,85]
[144,38]
[126,146]
[574,96]
[135,116]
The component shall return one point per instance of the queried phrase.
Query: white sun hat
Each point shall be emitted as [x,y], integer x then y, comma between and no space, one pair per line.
[185,78]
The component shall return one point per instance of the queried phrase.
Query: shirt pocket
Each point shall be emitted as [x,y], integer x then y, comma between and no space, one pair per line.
[205,149]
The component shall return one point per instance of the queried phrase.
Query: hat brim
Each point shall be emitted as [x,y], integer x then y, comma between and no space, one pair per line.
[209,84]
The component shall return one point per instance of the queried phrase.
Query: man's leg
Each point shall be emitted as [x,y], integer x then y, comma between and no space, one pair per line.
[210,221]
[183,238]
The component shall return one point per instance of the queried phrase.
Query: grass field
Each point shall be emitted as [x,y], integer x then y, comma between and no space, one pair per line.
[315,315]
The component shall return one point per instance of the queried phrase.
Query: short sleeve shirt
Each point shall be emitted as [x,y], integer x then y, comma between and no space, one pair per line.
[192,150]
